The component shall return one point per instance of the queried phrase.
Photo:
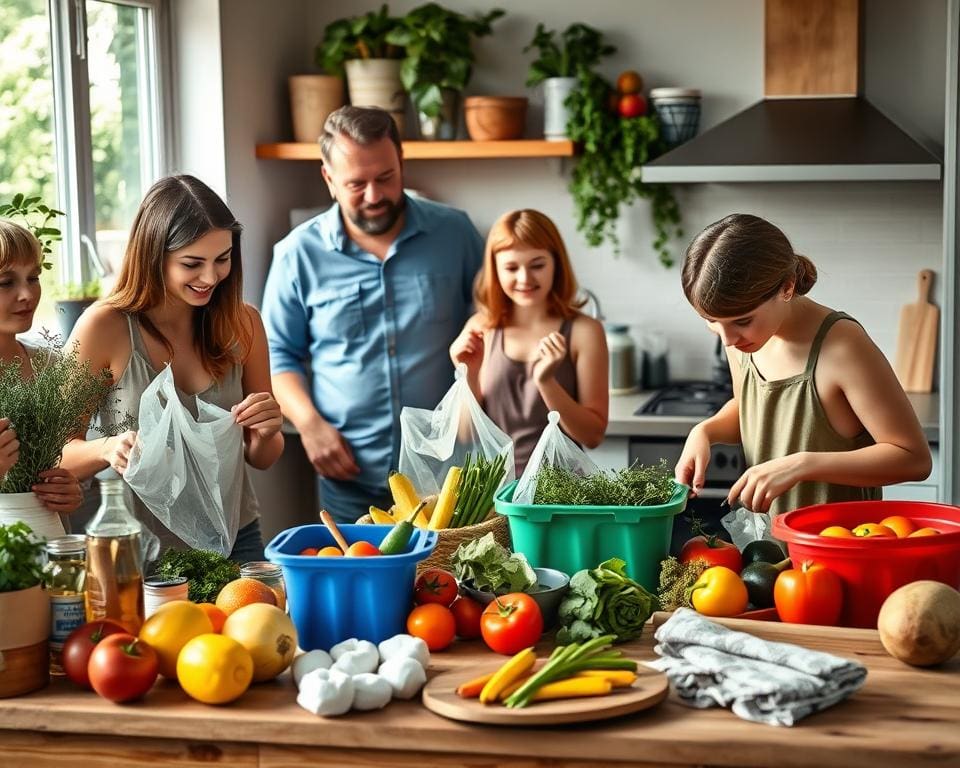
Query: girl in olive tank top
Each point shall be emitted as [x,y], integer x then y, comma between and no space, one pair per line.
[529,350]
[816,406]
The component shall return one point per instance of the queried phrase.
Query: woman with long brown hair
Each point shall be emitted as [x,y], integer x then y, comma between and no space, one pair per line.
[529,350]
[178,301]
[816,406]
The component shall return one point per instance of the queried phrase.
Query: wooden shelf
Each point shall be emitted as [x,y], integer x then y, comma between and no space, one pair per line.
[436,150]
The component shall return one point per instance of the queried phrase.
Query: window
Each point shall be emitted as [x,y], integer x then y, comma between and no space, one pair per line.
[82,116]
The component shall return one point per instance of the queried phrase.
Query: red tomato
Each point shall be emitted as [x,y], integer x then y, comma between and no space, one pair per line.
[511,623]
[309,551]
[467,614]
[810,594]
[80,644]
[435,586]
[632,105]
[434,624]
[713,551]
[122,668]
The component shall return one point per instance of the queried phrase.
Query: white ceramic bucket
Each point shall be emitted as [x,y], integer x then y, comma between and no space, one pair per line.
[556,115]
[26,507]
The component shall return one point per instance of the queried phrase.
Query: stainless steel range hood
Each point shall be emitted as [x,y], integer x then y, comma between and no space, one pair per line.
[808,139]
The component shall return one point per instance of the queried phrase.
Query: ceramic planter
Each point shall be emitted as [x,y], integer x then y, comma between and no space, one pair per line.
[444,126]
[376,83]
[26,507]
[556,115]
[495,118]
[24,654]
[312,99]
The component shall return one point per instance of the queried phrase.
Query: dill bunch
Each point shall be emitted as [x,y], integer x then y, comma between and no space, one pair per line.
[47,409]
[676,581]
[636,486]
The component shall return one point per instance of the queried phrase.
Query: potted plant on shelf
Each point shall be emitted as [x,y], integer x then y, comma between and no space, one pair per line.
[71,300]
[558,65]
[439,62]
[25,606]
[360,46]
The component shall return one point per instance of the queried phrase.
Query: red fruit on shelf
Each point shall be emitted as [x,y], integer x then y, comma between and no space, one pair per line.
[632,105]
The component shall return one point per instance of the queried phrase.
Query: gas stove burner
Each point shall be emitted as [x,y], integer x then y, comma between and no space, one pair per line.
[687,398]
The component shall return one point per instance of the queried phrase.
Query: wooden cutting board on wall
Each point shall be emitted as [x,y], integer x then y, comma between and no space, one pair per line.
[917,338]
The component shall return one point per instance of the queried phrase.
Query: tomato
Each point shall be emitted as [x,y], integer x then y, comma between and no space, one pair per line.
[810,594]
[511,623]
[122,668]
[467,613]
[80,644]
[361,549]
[632,105]
[214,669]
[713,551]
[719,592]
[435,586]
[433,623]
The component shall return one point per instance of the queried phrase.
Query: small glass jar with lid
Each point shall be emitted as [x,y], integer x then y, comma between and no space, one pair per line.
[64,577]
[268,574]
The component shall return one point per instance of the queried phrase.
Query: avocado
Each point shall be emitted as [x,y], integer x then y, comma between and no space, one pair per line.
[760,578]
[762,551]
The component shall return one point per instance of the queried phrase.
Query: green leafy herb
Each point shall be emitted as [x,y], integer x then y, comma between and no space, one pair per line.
[636,486]
[359,37]
[676,581]
[604,601]
[38,218]
[490,567]
[581,48]
[206,571]
[479,481]
[20,558]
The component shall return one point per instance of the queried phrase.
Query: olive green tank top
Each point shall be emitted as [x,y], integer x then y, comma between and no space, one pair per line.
[779,418]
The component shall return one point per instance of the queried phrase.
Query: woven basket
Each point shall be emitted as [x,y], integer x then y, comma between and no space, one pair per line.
[450,538]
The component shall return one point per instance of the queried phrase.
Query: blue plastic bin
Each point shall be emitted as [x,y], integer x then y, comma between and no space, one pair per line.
[336,598]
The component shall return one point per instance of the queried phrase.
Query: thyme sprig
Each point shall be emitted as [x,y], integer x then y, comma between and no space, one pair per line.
[636,486]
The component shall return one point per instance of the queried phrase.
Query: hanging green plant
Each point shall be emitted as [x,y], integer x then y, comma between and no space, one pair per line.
[607,174]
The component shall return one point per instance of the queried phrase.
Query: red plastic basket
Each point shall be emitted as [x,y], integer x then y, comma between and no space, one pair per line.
[873,568]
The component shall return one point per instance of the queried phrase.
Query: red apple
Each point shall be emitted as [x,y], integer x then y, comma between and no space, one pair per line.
[632,105]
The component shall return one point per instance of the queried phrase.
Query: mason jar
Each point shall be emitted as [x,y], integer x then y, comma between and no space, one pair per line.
[64,577]
[268,574]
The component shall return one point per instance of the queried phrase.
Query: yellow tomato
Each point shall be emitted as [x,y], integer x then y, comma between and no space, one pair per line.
[837,532]
[214,669]
[925,532]
[900,525]
[719,592]
[873,531]
[169,629]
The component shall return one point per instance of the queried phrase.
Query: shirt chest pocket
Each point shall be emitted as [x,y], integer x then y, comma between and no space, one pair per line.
[436,297]
[336,313]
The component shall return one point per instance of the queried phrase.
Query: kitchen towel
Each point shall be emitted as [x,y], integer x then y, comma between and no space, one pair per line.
[762,681]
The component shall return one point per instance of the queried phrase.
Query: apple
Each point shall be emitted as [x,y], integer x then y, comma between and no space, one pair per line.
[80,644]
[123,668]
[632,105]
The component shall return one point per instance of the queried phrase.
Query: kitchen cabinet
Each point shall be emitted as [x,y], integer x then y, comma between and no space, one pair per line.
[436,150]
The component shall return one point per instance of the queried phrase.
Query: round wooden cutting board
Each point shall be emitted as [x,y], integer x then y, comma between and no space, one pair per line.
[440,696]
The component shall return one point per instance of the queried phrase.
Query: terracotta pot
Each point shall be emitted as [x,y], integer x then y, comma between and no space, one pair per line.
[312,99]
[495,118]
[24,654]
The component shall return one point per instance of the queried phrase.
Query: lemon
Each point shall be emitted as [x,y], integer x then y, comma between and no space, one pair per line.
[169,629]
[214,669]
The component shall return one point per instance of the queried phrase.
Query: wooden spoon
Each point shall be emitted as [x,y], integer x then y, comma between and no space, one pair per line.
[327,519]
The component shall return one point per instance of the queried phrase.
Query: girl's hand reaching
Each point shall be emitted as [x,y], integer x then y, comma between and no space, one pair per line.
[260,412]
[550,353]
[9,446]
[116,450]
[59,490]
[762,483]
[467,348]
[692,466]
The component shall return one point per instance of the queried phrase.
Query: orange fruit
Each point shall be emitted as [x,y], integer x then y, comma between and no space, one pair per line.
[900,525]
[172,627]
[924,532]
[216,616]
[309,551]
[629,81]
[873,531]
[362,549]
[330,552]
[837,531]
[241,592]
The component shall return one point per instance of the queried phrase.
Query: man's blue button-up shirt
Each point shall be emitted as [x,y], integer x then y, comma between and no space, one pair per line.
[373,335]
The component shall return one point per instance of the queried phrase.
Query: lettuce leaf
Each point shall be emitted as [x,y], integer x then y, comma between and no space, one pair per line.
[490,567]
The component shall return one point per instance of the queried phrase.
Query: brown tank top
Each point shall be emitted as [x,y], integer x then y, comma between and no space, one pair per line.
[511,397]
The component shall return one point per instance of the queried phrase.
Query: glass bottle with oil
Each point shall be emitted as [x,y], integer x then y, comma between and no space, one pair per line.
[64,577]
[114,566]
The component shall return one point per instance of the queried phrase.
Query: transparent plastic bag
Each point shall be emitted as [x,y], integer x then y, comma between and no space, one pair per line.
[553,449]
[187,471]
[745,526]
[433,441]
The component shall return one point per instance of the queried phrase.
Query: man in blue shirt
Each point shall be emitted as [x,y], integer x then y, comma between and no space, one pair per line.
[365,299]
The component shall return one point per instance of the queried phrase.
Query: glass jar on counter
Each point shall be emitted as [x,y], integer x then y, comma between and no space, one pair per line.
[64,577]
[158,590]
[268,574]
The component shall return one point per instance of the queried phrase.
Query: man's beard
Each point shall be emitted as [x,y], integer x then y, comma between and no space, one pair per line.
[386,214]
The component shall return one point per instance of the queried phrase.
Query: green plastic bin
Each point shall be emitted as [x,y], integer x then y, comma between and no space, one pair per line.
[573,538]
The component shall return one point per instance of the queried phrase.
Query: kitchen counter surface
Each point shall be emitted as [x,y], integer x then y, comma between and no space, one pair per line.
[902,716]
[624,422]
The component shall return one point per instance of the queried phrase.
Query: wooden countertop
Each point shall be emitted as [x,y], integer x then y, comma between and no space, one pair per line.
[901,716]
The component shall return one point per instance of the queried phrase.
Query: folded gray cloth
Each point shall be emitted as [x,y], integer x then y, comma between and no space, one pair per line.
[774,683]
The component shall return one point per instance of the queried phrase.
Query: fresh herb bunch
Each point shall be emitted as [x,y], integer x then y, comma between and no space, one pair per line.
[47,409]
[607,176]
[359,37]
[479,481]
[20,558]
[581,47]
[636,486]
[676,581]
[206,571]
[37,218]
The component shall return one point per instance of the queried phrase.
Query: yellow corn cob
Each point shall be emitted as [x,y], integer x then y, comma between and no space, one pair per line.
[619,678]
[573,687]
[381,517]
[446,501]
[515,667]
